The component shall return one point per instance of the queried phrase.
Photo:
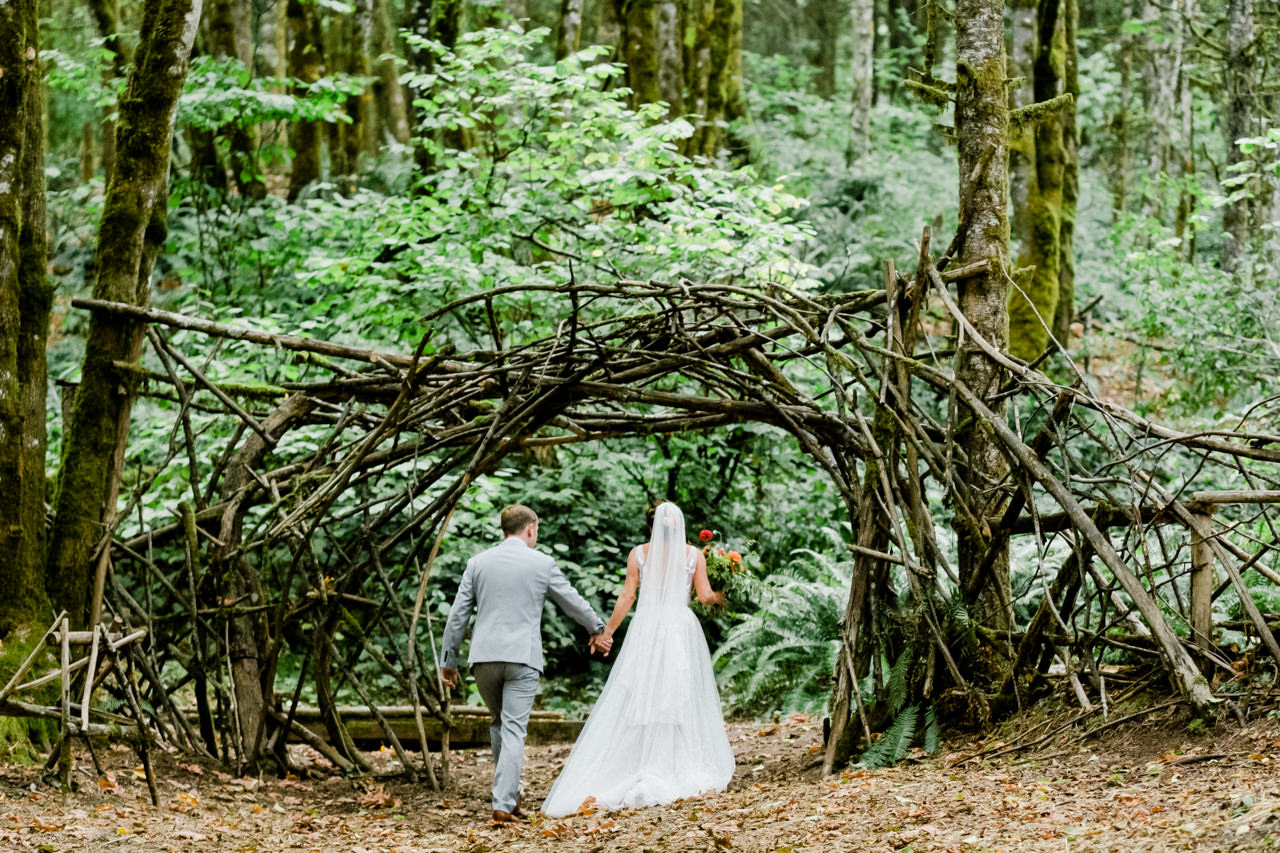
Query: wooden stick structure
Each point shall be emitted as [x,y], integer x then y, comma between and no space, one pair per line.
[317,513]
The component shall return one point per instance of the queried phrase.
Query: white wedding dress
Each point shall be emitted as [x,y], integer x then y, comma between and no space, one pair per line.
[656,734]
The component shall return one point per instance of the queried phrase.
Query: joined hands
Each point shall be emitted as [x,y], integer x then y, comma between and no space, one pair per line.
[601,643]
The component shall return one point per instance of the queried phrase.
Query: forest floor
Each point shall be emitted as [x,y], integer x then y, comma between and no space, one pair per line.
[1147,784]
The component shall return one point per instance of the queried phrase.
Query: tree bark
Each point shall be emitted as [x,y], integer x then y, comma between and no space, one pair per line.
[640,49]
[1066,308]
[671,14]
[982,131]
[824,29]
[1236,216]
[569,36]
[393,109]
[305,65]
[862,18]
[1033,308]
[25,300]
[129,236]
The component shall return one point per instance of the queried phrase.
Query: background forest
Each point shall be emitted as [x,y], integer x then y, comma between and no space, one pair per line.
[433,178]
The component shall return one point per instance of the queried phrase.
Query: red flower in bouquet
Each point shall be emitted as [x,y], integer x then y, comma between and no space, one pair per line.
[706,535]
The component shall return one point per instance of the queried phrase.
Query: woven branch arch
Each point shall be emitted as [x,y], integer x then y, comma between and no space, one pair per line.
[854,378]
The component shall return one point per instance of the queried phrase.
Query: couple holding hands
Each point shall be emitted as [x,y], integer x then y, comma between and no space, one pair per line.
[656,733]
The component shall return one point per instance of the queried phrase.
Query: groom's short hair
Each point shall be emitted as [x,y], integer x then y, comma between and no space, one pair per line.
[516,518]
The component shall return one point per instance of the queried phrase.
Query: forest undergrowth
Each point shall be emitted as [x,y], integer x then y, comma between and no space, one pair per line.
[1142,779]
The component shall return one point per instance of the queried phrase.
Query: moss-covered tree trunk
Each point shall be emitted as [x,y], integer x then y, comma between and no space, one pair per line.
[129,236]
[306,62]
[724,75]
[25,300]
[823,18]
[1238,123]
[640,49]
[393,110]
[1065,312]
[697,68]
[671,15]
[982,131]
[862,18]
[569,33]
[1040,156]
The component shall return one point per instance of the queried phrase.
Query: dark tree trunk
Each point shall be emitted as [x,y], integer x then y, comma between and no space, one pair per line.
[393,112]
[223,40]
[25,300]
[305,65]
[1239,118]
[129,237]
[640,49]
[824,29]
[982,130]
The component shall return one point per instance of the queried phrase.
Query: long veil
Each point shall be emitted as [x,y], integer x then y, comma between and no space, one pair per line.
[664,579]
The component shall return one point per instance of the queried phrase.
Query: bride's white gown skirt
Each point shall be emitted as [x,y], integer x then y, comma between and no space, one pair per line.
[656,733]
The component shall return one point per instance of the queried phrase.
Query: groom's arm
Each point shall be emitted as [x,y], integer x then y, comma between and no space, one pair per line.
[459,615]
[568,600]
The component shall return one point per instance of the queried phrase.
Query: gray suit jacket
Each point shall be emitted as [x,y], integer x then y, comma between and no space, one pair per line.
[506,586]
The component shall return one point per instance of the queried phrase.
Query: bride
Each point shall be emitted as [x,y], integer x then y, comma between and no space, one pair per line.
[656,733]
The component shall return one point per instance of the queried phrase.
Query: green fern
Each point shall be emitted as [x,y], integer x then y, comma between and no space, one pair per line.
[900,679]
[931,733]
[893,746]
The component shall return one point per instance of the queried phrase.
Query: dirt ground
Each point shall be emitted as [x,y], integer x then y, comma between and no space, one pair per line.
[1144,785]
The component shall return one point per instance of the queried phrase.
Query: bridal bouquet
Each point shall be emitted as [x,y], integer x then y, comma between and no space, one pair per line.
[726,571]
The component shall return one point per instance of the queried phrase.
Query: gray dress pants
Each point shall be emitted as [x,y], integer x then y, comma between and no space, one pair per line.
[508,690]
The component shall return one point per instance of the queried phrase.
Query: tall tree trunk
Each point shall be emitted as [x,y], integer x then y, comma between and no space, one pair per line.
[697,70]
[1163,61]
[1022,140]
[982,131]
[106,15]
[438,20]
[569,36]
[671,15]
[129,237]
[862,19]
[223,40]
[358,65]
[25,300]
[337,52]
[1239,119]
[1120,123]
[640,49]
[305,65]
[393,110]
[1066,309]
[269,36]
[824,29]
[1033,307]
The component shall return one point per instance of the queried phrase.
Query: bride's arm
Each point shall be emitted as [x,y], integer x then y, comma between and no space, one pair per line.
[627,597]
[702,585]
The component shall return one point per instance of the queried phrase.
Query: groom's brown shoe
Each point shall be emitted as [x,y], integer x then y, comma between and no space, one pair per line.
[517,811]
[504,817]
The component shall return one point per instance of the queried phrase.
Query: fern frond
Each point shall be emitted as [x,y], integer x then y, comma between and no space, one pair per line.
[891,748]
[930,730]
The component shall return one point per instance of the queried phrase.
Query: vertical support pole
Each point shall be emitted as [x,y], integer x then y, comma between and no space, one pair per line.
[1202,576]
[64,746]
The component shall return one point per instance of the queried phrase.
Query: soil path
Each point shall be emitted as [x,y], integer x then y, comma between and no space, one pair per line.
[1147,785]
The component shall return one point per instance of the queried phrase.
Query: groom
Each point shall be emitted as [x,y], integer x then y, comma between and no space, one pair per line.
[506,586]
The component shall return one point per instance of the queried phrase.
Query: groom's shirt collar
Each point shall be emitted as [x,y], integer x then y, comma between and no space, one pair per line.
[510,540]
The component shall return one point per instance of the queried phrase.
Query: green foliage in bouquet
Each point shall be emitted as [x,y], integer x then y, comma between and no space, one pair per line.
[728,574]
